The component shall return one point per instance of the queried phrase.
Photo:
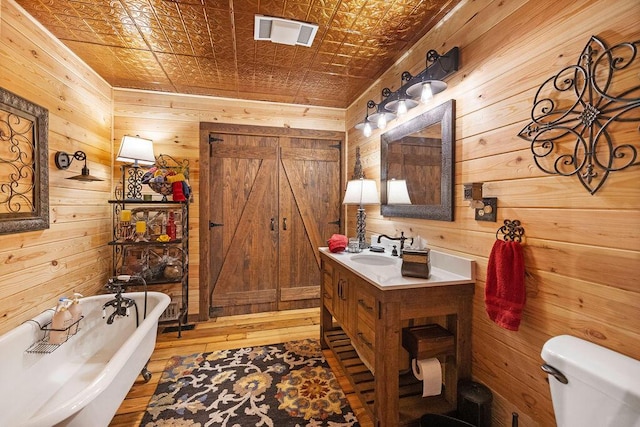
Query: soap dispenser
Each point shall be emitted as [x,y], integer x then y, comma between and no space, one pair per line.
[76,311]
[60,321]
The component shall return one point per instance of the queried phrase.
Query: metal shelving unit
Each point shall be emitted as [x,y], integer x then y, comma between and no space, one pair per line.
[149,254]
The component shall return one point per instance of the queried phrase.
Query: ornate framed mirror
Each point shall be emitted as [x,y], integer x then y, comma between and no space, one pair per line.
[420,153]
[24,170]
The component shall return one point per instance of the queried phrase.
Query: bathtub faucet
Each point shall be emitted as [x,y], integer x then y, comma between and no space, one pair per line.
[120,304]
[401,238]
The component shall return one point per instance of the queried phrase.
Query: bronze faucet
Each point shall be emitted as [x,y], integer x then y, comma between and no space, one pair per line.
[401,238]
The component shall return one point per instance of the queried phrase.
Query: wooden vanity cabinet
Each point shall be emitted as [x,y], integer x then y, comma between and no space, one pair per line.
[327,286]
[337,297]
[362,324]
[365,327]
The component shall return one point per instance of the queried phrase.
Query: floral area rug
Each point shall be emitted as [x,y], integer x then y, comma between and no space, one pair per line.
[278,385]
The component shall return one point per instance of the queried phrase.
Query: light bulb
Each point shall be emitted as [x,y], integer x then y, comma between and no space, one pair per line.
[402,107]
[382,121]
[427,93]
[366,130]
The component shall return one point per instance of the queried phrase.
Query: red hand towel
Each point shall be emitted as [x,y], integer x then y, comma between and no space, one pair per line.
[504,295]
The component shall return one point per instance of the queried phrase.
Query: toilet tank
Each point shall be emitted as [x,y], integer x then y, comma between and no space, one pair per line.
[602,389]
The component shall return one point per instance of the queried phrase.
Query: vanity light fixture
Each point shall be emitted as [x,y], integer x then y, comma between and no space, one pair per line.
[403,103]
[367,125]
[382,116]
[431,81]
[137,151]
[361,191]
[64,160]
[422,86]
[485,207]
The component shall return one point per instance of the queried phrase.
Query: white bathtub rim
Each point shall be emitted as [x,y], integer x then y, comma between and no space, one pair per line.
[107,375]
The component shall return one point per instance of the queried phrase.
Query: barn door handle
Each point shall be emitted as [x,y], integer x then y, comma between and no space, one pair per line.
[273,224]
[284,223]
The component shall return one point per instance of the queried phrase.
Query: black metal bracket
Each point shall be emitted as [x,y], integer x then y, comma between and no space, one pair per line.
[439,67]
[64,160]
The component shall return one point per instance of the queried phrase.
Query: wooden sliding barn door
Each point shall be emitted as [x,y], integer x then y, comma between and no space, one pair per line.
[244,208]
[309,214]
[273,202]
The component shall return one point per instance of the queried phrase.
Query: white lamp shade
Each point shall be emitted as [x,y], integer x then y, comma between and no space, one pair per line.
[134,149]
[397,192]
[361,192]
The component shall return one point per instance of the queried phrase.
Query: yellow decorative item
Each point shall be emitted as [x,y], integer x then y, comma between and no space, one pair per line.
[141,226]
[125,215]
[163,238]
[175,178]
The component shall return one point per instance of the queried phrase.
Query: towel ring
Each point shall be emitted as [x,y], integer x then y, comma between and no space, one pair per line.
[511,231]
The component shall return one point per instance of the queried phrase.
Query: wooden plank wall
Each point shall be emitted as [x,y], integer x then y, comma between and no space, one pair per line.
[582,251]
[173,122]
[72,255]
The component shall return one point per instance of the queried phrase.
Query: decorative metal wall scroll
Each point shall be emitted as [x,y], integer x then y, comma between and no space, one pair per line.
[584,120]
[24,169]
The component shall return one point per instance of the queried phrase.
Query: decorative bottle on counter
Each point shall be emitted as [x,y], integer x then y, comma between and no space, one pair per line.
[60,321]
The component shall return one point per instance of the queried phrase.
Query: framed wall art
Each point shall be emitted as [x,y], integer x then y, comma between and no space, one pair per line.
[24,169]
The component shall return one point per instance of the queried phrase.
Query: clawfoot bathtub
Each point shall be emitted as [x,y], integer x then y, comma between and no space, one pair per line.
[84,381]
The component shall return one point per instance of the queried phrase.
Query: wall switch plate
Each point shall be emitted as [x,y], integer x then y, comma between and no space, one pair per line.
[489,212]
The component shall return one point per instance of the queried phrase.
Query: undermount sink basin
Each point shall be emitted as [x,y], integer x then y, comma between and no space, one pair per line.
[373,260]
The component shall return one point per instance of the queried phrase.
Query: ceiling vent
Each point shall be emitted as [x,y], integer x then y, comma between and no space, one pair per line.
[284,31]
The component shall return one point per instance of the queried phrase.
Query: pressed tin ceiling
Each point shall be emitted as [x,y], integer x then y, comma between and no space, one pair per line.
[206,47]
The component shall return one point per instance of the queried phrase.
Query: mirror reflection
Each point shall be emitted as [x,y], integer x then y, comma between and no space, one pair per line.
[417,166]
[416,159]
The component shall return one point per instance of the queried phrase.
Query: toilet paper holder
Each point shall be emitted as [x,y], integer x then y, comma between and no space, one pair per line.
[427,341]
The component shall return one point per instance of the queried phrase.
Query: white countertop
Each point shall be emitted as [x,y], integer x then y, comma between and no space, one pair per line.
[384,271]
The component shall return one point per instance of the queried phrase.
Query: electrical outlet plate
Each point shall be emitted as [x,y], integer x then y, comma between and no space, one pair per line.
[489,212]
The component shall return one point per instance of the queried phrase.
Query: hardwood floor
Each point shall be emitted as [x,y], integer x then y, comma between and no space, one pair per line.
[230,332]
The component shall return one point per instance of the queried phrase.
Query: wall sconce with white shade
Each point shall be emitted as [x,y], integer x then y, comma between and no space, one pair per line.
[397,192]
[64,160]
[485,207]
[138,151]
[361,191]
[423,86]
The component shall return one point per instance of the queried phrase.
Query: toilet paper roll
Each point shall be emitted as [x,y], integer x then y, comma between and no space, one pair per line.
[429,372]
